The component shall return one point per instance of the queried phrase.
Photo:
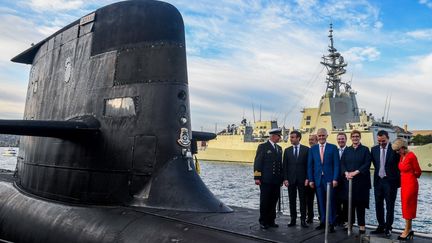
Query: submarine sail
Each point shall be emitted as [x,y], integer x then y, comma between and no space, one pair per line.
[106,124]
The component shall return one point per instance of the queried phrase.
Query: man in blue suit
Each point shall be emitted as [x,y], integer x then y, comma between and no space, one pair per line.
[323,168]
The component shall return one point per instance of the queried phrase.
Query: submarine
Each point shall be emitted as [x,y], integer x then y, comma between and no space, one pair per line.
[106,147]
[106,131]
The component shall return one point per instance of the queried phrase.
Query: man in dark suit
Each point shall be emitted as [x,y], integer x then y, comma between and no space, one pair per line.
[269,176]
[386,182]
[323,168]
[341,203]
[295,174]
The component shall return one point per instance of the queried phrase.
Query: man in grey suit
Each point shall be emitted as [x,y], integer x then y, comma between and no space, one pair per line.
[295,161]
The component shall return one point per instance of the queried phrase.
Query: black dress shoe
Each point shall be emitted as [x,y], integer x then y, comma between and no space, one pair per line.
[309,220]
[378,230]
[387,232]
[264,226]
[332,229]
[320,227]
[292,223]
[303,224]
[273,225]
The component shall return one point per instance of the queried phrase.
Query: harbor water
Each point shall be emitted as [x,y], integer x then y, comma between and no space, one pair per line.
[7,162]
[233,184]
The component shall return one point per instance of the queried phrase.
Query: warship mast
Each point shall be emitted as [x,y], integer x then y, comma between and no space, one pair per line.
[335,65]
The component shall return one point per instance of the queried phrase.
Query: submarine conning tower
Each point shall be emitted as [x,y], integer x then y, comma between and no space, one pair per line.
[107,115]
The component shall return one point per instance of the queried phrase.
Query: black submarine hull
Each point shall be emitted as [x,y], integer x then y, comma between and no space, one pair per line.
[25,218]
[107,131]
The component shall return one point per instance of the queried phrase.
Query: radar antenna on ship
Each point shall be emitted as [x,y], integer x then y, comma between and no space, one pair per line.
[335,65]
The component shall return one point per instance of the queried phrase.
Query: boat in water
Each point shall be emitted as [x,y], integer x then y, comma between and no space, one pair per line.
[337,112]
[9,152]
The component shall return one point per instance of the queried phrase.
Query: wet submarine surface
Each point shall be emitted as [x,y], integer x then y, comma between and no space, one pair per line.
[106,147]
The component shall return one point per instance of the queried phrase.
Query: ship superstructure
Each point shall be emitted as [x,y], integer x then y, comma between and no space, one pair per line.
[338,110]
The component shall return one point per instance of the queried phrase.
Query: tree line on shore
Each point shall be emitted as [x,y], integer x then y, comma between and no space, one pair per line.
[421,139]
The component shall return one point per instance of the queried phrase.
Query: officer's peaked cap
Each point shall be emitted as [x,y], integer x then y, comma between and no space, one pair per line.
[277,131]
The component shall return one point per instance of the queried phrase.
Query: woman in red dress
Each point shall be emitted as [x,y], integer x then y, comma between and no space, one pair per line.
[409,171]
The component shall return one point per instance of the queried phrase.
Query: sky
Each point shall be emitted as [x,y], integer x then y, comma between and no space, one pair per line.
[252,55]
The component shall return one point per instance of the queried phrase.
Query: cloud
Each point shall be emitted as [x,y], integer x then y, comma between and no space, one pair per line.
[16,35]
[358,14]
[258,61]
[428,3]
[378,25]
[12,99]
[12,96]
[424,65]
[360,54]
[55,5]
[410,87]
[425,34]
[7,10]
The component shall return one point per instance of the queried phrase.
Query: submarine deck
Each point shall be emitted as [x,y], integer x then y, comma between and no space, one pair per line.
[244,221]
[238,226]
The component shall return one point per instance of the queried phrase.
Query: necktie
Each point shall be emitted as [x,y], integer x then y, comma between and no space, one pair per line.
[275,148]
[322,153]
[381,172]
[295,152]
[340,152]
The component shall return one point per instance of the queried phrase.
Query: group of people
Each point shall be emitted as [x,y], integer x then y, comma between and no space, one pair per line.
[308,170]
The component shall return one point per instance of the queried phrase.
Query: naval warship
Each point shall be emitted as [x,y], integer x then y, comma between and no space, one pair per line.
[337,112]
